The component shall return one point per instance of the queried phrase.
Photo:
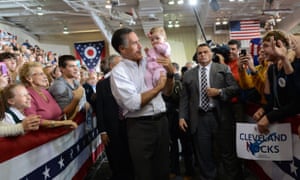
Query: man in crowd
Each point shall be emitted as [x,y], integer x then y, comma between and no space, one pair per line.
[68,92]
[204,101]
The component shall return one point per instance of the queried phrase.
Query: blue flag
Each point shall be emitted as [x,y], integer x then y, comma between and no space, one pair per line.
[90,52]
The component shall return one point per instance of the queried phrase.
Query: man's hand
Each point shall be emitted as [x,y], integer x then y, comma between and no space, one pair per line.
[162,81]
[77,93]
[211,92]
[258,114]
[279,50]
[246,62]
[263,124]
[183,125]
[166,63]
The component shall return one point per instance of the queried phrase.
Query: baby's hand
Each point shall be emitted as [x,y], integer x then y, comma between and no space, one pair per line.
[146,50]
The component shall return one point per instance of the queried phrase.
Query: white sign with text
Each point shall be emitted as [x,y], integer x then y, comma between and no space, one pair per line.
[274,146]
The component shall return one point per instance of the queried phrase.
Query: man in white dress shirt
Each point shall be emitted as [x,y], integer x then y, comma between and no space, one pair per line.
[143,108]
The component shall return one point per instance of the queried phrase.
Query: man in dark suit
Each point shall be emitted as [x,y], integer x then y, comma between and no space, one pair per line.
[112,127]
[206,115]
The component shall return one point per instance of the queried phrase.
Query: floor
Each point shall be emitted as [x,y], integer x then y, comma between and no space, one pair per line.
[100,171]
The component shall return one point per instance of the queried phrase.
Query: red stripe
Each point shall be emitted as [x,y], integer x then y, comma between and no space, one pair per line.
[14,146]
[88,163]
[256,169]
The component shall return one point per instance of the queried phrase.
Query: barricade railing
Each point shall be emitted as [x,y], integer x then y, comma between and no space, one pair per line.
[53,153]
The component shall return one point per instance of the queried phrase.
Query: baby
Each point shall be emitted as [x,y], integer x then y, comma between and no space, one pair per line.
[161,48]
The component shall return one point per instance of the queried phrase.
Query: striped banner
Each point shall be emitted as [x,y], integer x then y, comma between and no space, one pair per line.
[67,156]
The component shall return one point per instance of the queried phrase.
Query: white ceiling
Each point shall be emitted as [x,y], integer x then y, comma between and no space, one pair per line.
[81,16]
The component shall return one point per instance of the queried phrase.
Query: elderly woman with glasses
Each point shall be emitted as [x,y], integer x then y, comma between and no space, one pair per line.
[42,103]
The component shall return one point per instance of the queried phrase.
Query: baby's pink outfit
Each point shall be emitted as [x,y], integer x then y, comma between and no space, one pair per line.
[153,69]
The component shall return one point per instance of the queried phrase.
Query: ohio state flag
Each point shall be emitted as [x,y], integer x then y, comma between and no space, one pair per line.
[90,52]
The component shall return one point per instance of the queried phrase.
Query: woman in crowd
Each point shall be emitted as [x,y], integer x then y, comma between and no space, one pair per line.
[42,103]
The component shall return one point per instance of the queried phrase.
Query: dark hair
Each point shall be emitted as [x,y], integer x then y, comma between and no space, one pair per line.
[234,42]
[118,38]
[63,59]
[6,55]
[175,65]
[183,70]
[200,45]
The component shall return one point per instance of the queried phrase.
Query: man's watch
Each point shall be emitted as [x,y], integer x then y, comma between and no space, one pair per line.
[170,75]
[254,73]
[220,92]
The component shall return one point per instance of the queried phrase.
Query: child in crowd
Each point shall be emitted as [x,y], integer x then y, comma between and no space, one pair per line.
[157,36]
[14,98]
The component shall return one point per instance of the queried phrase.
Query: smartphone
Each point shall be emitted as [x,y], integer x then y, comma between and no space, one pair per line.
[3,69]
[243,52]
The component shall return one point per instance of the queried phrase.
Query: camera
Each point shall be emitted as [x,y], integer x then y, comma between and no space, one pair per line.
[243,52]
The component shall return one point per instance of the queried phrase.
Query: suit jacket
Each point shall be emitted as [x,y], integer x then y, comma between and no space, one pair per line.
[220,77]
[107,109]
[89,93]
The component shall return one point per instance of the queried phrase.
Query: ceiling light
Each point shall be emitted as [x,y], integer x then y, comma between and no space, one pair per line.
[192,2]
[218,22]
[278,19]
[240,0]
[225,21]
[180,2]
[177,25]
[170,24]
[108,6]
[231,0]
[66,31]
[171,2]
[39,11]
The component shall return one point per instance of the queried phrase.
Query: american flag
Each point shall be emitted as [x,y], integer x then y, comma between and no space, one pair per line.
[90,52]
[281,170]
[244,29]
[254,49]
[50,153]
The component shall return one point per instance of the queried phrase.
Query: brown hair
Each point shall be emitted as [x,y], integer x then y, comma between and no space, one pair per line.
[5,94]
[278,35]
[26,71]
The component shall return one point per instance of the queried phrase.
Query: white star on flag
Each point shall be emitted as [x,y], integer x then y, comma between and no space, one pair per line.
[61,162]
[46,173]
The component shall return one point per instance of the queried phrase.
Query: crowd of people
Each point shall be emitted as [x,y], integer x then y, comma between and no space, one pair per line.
[26,85]
[144,106]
